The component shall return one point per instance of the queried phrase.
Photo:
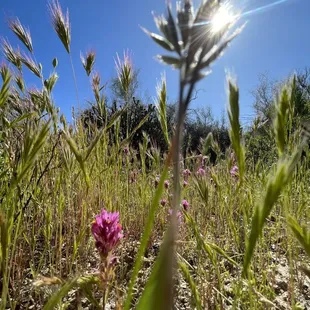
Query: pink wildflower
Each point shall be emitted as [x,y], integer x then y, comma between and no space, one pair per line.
[201,172]
[107,232]
[186,173]
[166,184]
[156,182]
[234,172]
[185,204]
[163,202]
[185,183]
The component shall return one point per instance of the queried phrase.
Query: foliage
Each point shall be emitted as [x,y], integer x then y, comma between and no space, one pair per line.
[218,228]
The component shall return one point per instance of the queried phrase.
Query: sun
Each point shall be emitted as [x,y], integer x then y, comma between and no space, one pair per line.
[221,18]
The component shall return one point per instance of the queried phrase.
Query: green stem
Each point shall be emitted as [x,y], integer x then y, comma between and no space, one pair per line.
[75,82]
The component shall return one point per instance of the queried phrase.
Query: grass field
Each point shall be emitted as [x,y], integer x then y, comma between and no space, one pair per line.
[211,236]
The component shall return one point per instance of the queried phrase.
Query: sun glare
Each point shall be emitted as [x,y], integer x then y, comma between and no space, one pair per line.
[221,18]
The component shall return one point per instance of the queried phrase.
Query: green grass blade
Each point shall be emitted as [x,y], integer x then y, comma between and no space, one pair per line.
[128,139]
[235,127]
[145,237]
[162,107]
[158,293]
[61,293]
[301,234]
[6,78]
[33,147]
[200,242]
[273,190]
[192,285]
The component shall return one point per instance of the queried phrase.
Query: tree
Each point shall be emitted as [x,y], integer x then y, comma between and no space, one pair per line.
[264,97]
[260,136]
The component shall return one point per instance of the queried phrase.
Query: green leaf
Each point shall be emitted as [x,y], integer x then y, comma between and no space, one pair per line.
[208,246]
[185,19]
[219,50]
[17,120]
[172,30]
[169,60]
[159,40]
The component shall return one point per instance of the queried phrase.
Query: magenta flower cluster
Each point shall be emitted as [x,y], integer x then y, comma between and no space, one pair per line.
[185,204]
[156,181]
[186,173]
[107,231]
[234,172]
[166,184]
[201,172]
[163,202]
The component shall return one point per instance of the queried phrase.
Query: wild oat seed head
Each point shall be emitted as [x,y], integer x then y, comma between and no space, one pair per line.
[88,61]
[61,23]
[29,62]
[124,71]
[11,54]
[21,32]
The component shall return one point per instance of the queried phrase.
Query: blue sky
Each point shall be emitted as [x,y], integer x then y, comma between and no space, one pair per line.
[275,40]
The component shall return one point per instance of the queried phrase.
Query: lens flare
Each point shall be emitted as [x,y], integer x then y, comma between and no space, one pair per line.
[221,19]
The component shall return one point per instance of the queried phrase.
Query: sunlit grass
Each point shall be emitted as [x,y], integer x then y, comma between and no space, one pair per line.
[230,233]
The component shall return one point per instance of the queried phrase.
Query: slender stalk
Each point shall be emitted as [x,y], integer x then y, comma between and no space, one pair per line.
[183,104]
[75,82]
